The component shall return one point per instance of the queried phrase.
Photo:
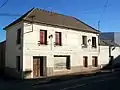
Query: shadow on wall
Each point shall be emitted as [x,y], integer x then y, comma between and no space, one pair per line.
[113,63]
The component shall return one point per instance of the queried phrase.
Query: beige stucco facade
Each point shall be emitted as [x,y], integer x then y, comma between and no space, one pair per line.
[29,47]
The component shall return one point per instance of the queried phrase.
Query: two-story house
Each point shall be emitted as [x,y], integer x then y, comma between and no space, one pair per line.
[43,43]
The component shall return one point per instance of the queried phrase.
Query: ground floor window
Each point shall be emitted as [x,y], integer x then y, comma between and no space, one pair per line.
[18,63]
[94,61]
[61,62]
[85,61]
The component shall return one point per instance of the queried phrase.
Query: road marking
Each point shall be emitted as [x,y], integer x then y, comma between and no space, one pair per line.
[72,87]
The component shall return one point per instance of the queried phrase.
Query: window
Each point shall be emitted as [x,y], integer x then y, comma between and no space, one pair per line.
[18,63]
[84,41]
[58,38]
[18,36]
[43,37]
[94,42]
[85,61]
[94,61]
[62,62]
[68,62]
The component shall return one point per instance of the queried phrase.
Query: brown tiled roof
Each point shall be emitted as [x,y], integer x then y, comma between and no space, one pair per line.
[108,43]
[55,19]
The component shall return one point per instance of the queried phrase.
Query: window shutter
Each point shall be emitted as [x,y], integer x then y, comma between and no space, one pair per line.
[45,37]
[94,61]
[68,62]
[94,42]
[57,38]
[85,61]
[18,63]
[18,36]
[60,39]
[41,37]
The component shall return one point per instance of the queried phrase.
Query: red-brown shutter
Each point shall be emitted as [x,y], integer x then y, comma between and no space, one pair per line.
[42,37]
[58,38]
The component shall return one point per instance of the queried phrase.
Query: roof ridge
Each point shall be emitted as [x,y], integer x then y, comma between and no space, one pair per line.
[53,12]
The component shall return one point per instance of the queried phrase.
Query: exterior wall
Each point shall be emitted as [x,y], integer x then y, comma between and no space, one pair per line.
[13,50]
[116,53]
[104,55]
[115,37]
[2,56]
[71,45]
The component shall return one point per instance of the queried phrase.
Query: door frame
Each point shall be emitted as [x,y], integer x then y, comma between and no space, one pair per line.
[44,71]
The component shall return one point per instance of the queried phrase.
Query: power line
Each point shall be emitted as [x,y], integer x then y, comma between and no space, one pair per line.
[104,9]
[4,4]
[9,14]
[103,12]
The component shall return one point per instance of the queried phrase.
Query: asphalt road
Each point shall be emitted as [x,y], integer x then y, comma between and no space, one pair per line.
[110,82]
[101,82]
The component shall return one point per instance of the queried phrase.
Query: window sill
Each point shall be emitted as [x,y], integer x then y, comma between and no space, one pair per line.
[57,45]
[94,67]
[42,44]
[84,47]
[94,47]
[85,67]
[55,70]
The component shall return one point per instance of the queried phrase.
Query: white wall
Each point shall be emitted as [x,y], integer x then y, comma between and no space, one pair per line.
[116,53]
[12,49]
[104,55]
[71,45]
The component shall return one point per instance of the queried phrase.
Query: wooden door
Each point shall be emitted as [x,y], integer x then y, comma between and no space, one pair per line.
[36,67]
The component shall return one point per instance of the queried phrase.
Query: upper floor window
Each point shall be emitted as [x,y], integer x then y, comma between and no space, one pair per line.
[94,42]
[19,36]
[58,38]
[84,41]
[43,37]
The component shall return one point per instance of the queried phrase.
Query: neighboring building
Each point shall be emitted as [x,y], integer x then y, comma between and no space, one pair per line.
[2,56]
[43,43]
[113,36]
[109,53]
